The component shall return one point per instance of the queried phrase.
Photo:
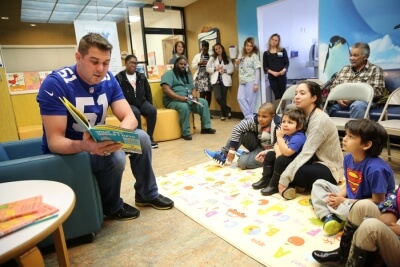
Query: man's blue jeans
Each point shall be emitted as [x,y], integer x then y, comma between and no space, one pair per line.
[108,171]
[357,109]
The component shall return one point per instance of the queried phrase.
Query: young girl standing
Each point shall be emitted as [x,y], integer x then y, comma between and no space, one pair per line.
[249,76]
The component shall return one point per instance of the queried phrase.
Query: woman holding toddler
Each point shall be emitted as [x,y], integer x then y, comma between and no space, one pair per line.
[321,156]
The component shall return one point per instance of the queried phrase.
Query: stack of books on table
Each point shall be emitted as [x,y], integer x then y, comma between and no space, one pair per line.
[19,214]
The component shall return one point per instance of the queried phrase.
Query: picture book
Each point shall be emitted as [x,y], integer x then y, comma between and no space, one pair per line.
[161,70]
[153,73]
[43,75]
[41,214]
[102,132]
[16,81]
[19,208]
[32,80]
[156,71]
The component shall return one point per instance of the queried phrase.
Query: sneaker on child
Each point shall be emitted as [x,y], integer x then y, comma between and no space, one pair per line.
[332,224]
[216,156]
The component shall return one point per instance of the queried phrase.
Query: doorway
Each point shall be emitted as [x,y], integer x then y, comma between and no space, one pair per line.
[298,31]
[168,47]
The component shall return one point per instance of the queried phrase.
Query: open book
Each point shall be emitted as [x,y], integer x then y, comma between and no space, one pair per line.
[102,132]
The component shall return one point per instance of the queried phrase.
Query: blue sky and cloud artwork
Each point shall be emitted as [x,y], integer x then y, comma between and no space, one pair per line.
[345,22]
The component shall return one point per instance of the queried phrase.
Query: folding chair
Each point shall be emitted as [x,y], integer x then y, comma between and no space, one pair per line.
[287,95]
[350,91]
[392,127]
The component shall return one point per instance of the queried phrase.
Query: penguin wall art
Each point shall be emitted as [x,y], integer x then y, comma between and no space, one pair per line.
[337,55]
[342,23]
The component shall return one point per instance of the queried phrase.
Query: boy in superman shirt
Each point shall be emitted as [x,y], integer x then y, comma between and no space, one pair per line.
[367,176]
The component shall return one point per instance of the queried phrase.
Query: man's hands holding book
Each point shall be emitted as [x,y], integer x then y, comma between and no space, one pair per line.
[103,148]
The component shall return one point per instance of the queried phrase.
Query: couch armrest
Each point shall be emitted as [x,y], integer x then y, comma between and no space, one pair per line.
[72,170]
[23,148]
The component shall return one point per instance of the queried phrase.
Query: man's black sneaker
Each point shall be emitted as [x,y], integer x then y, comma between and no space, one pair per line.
[208,131]
[127,212]
[153,143]
[160,203]
[187,137]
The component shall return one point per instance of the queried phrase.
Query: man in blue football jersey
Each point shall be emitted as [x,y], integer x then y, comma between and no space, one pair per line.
[92,89]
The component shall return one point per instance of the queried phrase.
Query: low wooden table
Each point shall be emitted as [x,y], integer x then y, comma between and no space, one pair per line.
[21,244]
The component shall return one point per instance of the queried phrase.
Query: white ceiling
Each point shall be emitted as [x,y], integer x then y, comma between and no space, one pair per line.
[66,11]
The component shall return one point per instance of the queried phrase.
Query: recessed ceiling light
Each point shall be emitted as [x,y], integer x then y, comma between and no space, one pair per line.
[33,25]
[4,17]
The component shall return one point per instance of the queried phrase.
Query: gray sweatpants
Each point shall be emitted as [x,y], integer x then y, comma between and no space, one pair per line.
[319,193]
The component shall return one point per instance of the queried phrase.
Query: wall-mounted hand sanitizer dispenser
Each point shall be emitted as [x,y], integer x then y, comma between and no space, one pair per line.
[232,51]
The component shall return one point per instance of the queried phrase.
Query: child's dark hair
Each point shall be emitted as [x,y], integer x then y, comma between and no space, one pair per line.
[369,130]
[298,116]
[269,107]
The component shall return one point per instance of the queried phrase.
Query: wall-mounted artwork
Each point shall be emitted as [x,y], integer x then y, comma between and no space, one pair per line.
[156,71]
[43,75]
[212,37]
[141,68]
[358,21]
[152,58]
[16,82]
[32,80]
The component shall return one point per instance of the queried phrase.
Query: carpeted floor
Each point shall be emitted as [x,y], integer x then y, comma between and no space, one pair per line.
[270,229]
[170,238]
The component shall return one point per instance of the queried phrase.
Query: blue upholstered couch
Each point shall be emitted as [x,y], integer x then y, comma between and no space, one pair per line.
[23,160]
[392,82]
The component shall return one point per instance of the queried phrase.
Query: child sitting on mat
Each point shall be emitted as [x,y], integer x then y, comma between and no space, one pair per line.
[367,175]
[253,133]
[290,139]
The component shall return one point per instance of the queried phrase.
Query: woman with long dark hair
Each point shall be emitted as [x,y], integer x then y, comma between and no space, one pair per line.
[321,156]
[220,68]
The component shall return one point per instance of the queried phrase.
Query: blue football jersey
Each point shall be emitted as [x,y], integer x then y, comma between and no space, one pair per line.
[92,100]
